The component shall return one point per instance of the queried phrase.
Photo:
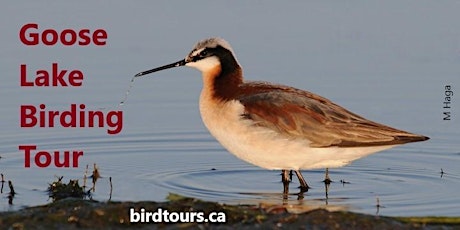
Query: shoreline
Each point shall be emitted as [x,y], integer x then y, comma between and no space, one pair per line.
[73,213]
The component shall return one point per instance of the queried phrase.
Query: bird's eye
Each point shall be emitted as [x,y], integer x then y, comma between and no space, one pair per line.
[204,53]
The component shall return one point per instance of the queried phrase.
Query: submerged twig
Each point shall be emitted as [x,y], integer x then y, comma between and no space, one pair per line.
[95,176]
[378,205]
[3,182]
[85,177]
[12,193]
[111,188]
[10,184]
[343,181]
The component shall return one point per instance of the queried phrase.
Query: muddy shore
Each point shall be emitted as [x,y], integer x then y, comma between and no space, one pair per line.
[72,213]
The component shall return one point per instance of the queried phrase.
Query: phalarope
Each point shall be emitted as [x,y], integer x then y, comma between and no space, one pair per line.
[279,127]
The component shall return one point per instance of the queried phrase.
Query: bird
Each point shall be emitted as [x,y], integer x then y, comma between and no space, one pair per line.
[279,127]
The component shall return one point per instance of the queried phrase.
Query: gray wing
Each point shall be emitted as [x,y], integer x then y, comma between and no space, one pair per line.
[301,114]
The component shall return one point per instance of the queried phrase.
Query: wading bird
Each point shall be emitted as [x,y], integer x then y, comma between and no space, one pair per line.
[279,127]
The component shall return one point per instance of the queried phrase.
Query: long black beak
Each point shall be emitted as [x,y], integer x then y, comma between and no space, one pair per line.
[172,65]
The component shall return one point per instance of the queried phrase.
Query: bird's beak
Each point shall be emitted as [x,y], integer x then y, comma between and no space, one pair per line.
[172,65]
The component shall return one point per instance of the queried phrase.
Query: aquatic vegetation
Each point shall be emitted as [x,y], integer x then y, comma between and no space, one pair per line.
[58,190]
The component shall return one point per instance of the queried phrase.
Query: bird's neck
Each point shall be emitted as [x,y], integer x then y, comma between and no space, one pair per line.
[222,83]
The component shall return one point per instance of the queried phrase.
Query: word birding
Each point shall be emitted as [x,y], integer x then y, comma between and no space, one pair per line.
[72,118]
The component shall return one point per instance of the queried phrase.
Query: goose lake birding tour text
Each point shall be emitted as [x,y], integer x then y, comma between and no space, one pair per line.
[75,115]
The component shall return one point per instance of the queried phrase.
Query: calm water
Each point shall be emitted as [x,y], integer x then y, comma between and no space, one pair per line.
[389,65]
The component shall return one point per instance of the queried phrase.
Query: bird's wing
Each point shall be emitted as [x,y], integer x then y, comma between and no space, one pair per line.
[301,114]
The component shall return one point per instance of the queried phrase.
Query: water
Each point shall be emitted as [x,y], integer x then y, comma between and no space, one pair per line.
[381,61]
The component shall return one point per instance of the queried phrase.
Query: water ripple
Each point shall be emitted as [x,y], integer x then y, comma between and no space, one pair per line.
[148,166]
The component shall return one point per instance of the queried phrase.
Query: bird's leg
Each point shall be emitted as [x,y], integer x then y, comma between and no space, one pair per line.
[285,179]
[327,182]
[303,184]
[327,179]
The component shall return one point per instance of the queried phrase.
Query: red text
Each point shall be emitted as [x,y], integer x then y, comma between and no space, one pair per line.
[44,159]
[57,77]
[72,118]
[31,36]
